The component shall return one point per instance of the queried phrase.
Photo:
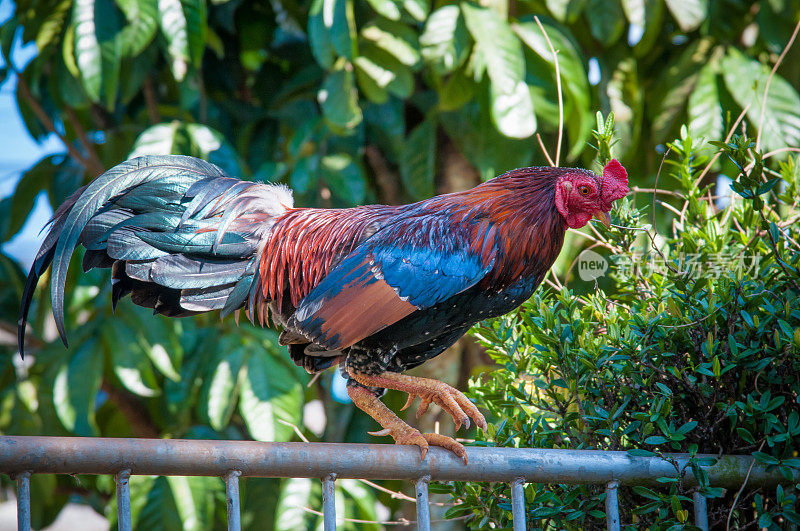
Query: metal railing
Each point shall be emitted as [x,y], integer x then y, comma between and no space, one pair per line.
[22,456]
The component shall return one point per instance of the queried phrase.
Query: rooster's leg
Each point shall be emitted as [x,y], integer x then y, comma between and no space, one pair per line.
[401,432]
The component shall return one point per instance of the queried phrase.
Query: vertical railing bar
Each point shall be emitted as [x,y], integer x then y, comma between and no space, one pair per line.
[423,507]
[24,501]
[518,504]
[700,511]
[612,506]
[122,479]
[329,502]
[232,495]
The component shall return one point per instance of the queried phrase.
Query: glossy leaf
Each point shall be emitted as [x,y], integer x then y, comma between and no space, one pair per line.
[142,17]
[688,13]
[339,99]
[746,80]
[445,41]
[705,107]
[75,389]
[270,393]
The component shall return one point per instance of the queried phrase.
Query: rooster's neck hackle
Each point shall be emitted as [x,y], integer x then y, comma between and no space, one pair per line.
[515,213]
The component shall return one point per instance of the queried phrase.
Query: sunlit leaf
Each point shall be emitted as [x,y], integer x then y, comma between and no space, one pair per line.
[445,41]
[142,17]
[688,13]
[339,99]
[270,393]
[75,389]
[746,80]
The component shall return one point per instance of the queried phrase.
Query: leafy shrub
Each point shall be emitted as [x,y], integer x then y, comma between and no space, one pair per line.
[698,351]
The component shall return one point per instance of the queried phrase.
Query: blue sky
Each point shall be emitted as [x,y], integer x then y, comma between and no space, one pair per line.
[18,151]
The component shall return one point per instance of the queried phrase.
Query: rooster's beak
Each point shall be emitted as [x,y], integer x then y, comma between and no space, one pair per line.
[603,217]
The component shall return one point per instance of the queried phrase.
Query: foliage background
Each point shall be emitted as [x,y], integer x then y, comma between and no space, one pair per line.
[347,101]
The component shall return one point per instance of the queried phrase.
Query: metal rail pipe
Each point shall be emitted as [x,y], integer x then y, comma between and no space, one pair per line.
[83,455]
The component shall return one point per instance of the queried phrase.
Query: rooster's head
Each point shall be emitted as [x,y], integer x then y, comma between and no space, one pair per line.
[581,195]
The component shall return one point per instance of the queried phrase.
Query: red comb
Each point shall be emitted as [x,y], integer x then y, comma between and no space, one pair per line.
[615,182]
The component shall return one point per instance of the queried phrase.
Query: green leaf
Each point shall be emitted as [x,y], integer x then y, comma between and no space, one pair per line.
[445,41]
[339,99]
[182,24]
[418,9]
[319,36]
[491,153]
[746,80]
[512,111]
[626,101]
[87,48]
[688,13]
[75,389]
[195,500]
[129,362]
[574,78]
[705,108]
[501,51]
[676,84]
[395,38]
[565,10]
[152,504]
[297,493]
[344,177]
[655,439]
[606,20]
[188,139]
[219,394]
[332,30]
[386,8]
[32,182]
[269,393]
[417,163]
[143,18]
[51,28]
[640,452]
[496,43]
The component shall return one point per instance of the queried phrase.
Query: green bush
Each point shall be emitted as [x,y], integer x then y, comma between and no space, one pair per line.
[697,351]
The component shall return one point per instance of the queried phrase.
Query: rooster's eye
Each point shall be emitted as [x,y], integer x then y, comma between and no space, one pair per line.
[584,190]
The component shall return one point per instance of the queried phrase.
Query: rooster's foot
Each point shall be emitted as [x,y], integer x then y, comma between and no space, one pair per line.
[447,397]
[401,432]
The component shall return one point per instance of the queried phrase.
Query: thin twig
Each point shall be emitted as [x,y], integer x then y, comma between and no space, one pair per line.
[727,138]
[295,428]
[736,498]
[544,150]
[558,89]
[769,81]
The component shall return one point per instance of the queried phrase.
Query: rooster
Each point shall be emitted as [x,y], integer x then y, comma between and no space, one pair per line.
[373,289]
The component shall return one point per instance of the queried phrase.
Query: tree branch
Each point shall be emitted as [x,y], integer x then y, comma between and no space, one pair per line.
[141,423]
[96,165]
[47,122]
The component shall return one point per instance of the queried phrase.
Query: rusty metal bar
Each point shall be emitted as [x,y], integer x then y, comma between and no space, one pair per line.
[423,507]
[232,498]
[77,455]
[700,511]
[124,520]
[329,502]
[24,501]
[612,506]
[518,504]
